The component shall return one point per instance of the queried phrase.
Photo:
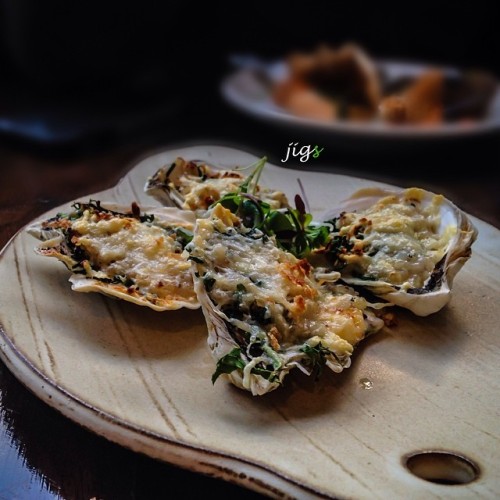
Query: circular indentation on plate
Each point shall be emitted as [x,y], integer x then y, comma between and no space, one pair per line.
[442,467]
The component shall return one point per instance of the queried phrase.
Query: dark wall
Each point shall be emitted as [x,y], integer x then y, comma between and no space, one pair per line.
[438,31]
[56,43]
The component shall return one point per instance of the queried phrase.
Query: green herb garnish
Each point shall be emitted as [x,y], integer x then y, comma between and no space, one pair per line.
[95,206]
[336,247]
[293,228]
[183,236]
[295,231]
[208,283]
[317,355]
[228,363]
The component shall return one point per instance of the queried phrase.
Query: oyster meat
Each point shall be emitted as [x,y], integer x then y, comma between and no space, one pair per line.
[194,185]
[403,246]
[265,310]
[123,252]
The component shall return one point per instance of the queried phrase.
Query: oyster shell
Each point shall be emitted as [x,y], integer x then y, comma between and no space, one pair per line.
[194,185]
[266,312]
[405,246]
[123,252]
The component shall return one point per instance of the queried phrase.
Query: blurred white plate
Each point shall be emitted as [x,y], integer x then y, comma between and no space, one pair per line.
[248,92]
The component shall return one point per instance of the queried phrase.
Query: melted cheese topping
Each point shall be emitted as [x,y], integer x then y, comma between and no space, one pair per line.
[145,254]
[201,186]
[200,194]
[397,240]
[254,283]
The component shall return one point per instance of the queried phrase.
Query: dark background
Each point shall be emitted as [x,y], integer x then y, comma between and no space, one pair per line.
[80,75]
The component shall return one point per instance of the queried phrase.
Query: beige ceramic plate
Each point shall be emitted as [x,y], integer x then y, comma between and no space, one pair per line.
[142,378]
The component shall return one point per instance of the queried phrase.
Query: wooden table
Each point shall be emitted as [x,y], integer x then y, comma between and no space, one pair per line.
[45,455]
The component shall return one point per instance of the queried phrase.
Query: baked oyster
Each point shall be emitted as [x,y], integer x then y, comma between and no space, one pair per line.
[194,185]
[265,310]
[123,252]
[405,246]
